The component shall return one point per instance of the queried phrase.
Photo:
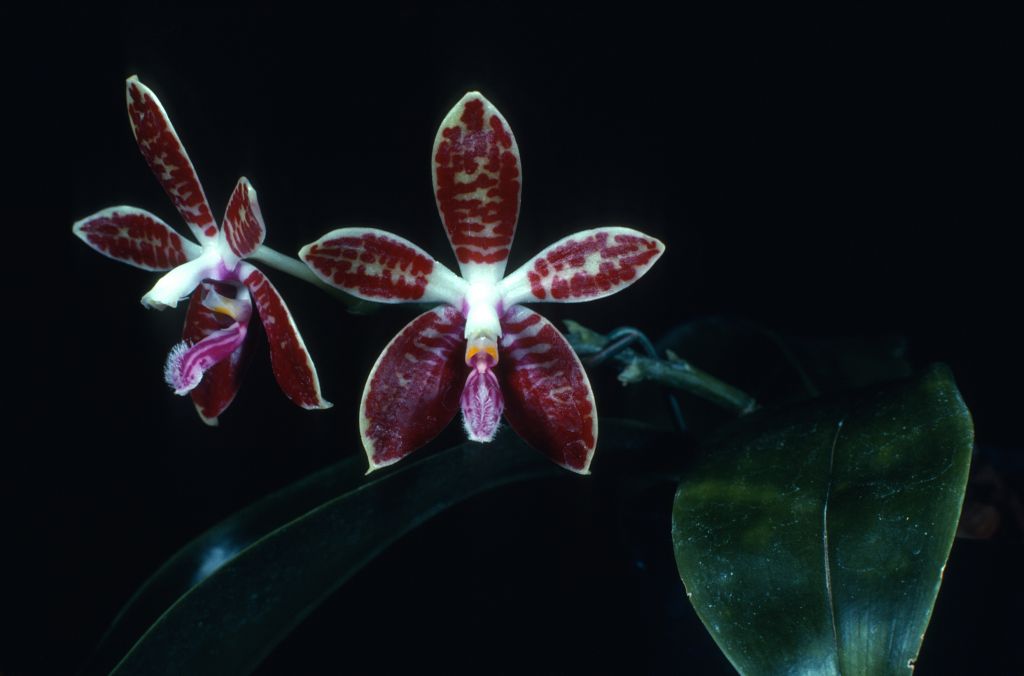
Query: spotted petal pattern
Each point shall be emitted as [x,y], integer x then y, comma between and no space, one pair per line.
[477,184]
[243,230]
[583,266]
[135,237]
[292,365]
[548,399]
[166,157]
[376,265]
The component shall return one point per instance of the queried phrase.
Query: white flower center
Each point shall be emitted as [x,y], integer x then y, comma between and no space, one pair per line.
[482,301]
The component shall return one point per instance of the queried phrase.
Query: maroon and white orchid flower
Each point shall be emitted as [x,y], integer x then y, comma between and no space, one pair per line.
[412,392]
[208,363]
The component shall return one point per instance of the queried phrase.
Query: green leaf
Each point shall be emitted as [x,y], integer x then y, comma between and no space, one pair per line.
[197,560]
[812,540]
[229,621]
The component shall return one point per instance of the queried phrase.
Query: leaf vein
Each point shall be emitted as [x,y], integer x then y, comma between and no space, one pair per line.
[824,541]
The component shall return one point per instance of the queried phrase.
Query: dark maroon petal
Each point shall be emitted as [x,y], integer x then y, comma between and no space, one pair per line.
[244,230]
[289,358]
[412,392]
[548,400]
[135,237]
[167,158]
[584,266]
[377,265]
[220,384]
[477,183]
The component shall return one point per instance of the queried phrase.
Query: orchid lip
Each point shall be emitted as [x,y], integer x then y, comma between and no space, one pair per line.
[186,363]
[481,401]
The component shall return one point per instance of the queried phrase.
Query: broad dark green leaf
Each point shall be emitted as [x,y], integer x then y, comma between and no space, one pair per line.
[229,621]
[197,560]
[812,540]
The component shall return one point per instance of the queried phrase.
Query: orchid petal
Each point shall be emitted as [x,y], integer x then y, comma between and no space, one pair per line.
[135,237]
[220,383]
[243,229]
[548,400]
[289,358]
[376,265]
[181,281]
[584,266]
[477,185]
[166,157]
[412,392]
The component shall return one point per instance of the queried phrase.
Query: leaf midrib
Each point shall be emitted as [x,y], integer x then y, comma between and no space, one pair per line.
[824,543]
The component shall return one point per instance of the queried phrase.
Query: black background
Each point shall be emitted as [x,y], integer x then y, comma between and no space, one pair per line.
[840,171]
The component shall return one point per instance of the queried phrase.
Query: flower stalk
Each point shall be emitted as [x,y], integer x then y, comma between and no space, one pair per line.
[595,348]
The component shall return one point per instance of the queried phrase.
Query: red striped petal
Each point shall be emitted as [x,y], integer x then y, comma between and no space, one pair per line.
[220,384]
[244,230]
[135,237]
[584,266]
[413,390]
[548,400]
[477,184]
[377,265]
[292,365]
[167,158]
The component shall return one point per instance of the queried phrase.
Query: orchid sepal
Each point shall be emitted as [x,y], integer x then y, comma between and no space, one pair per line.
[136,237]
[289,358]
[167,159]
[584,266]
[477,180]
[412,392]
[548,398]
[377,265]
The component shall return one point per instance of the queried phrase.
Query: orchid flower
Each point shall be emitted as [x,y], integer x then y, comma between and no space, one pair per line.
[412,392]
[209,361]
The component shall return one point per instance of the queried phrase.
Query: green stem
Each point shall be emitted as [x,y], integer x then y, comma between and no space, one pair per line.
[683,375]
[673,371]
